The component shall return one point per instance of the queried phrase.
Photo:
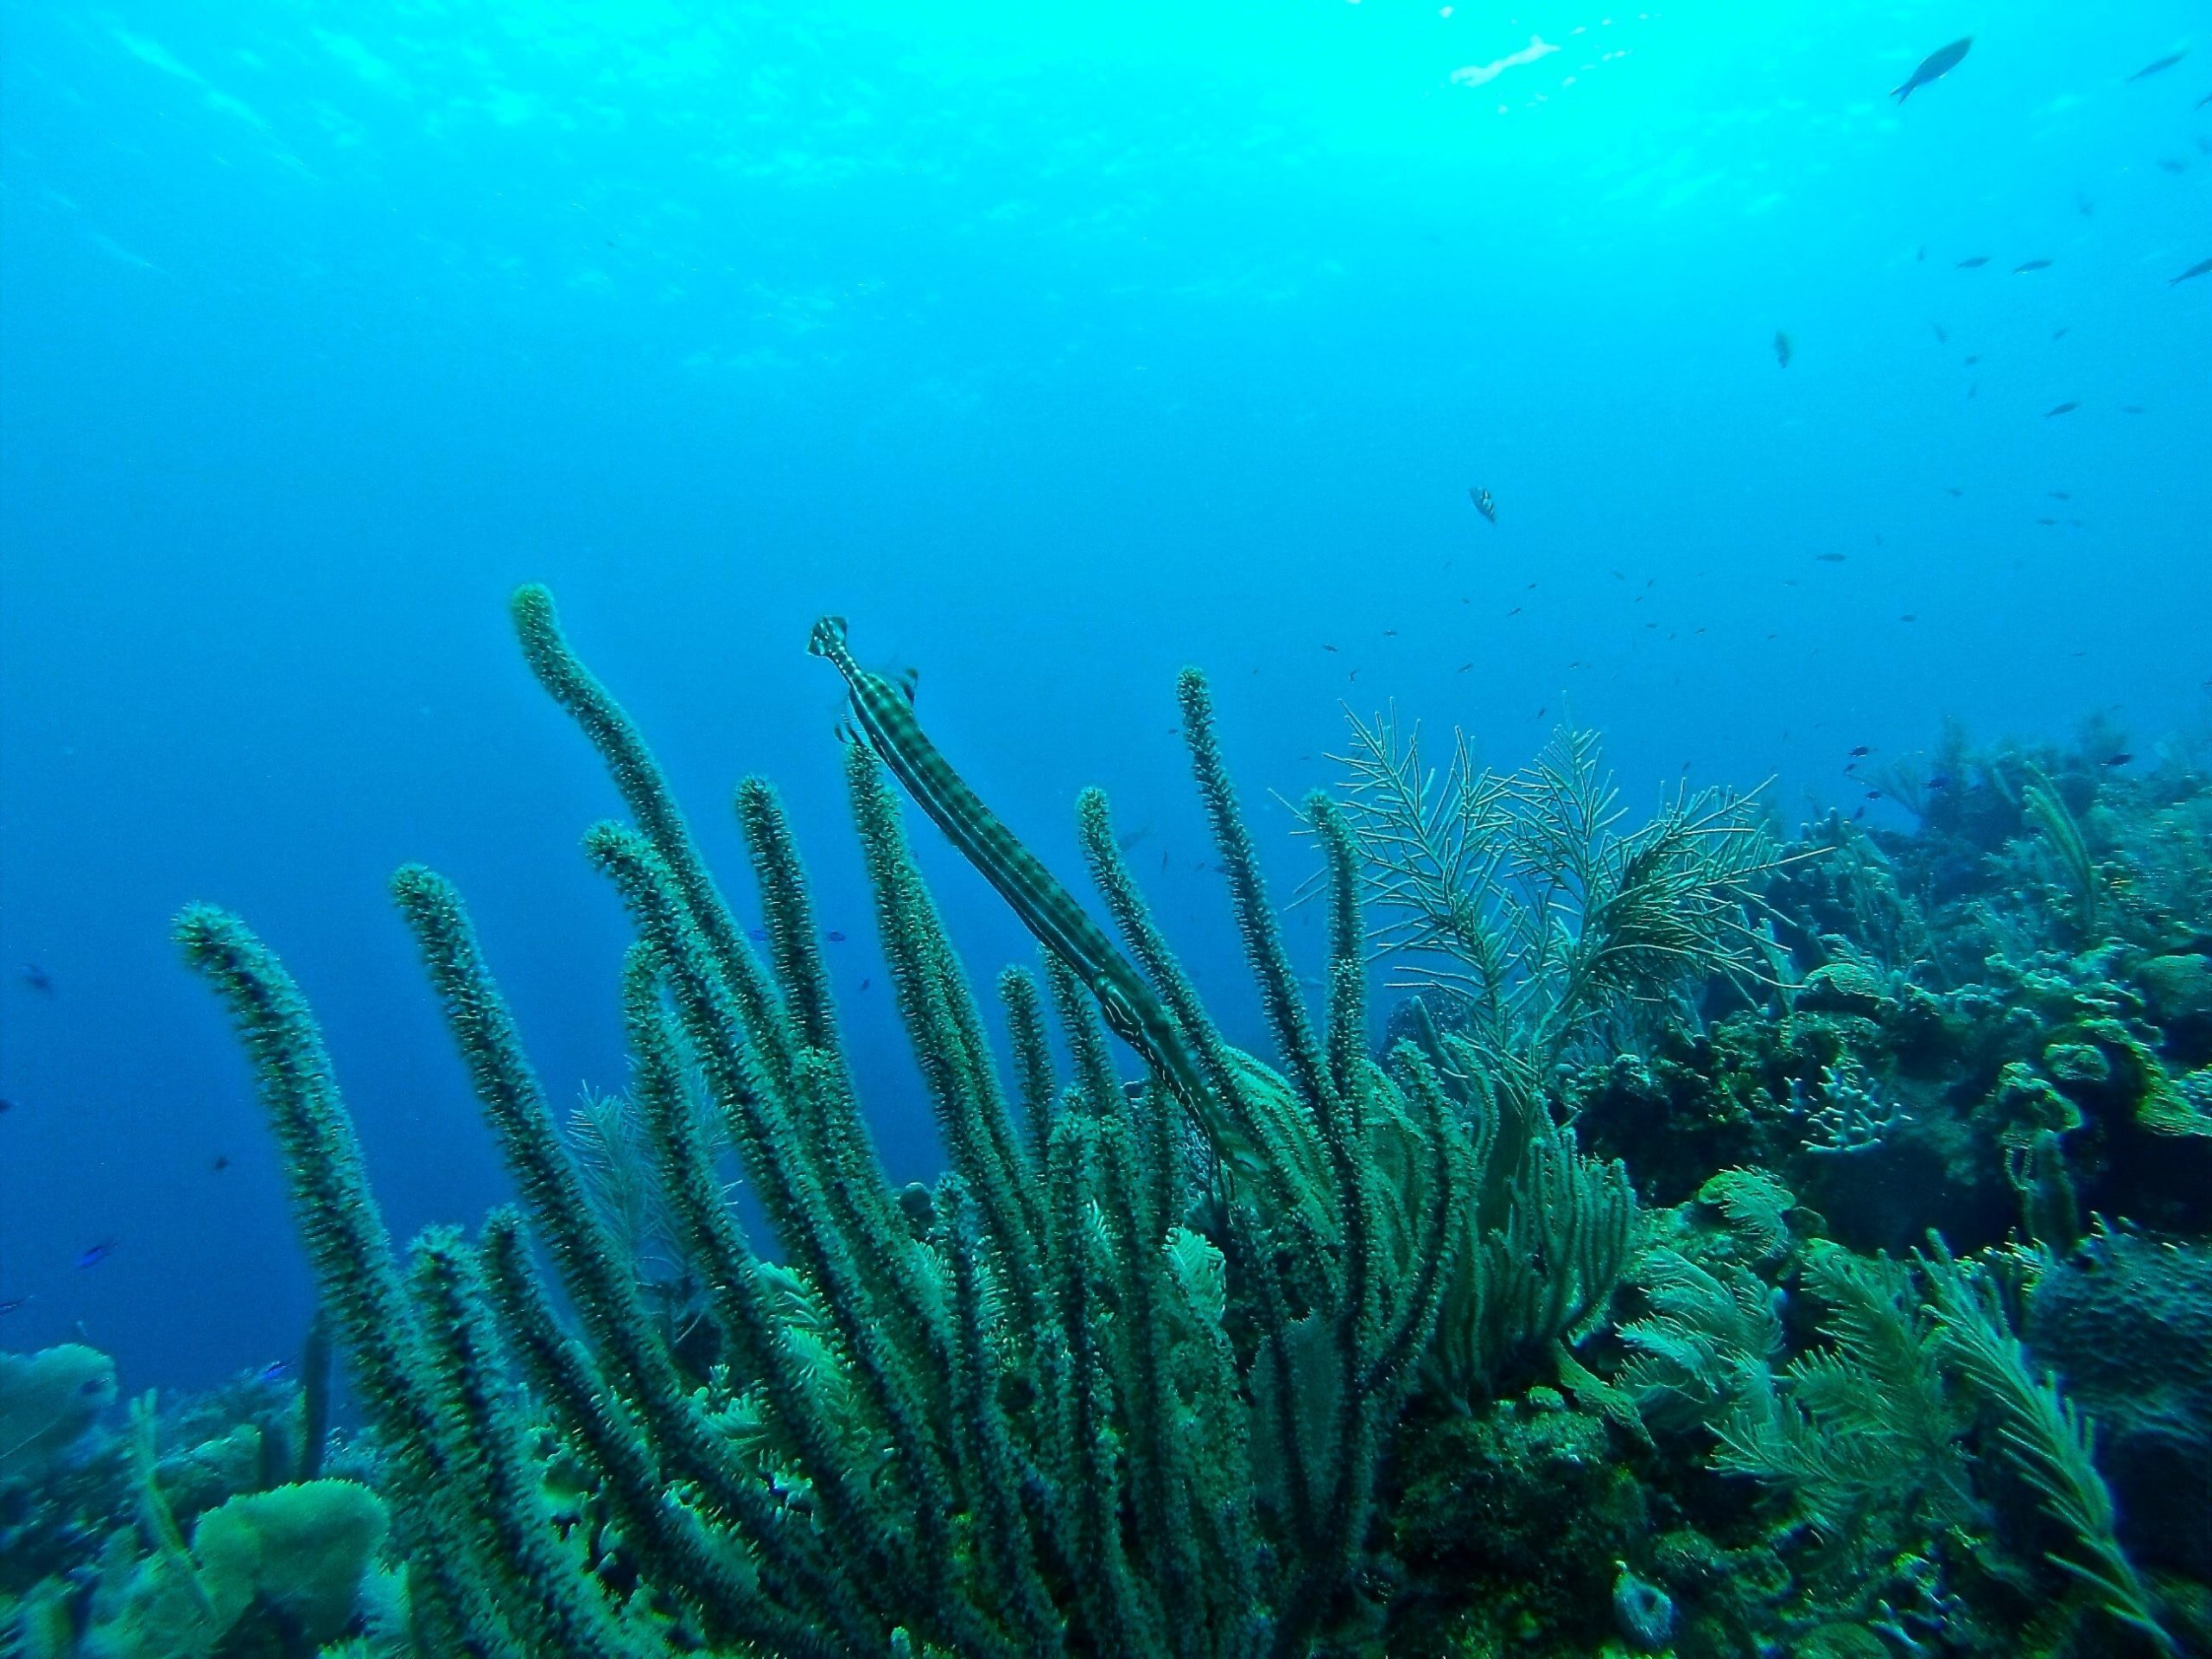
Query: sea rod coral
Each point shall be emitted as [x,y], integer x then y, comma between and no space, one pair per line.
[1121,1384]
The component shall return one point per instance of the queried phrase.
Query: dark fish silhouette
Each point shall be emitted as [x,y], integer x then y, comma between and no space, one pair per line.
[41,982]
[12,1303]
[1936,64]
[2059,409]
[97,1254]
[2201,267]
[1942,336]
[1975,263]
[1782,348]
[1130,840]
[834,937]
[2033,264]
[2156,64]
[1485,504]
[1858,751]
[2119,760]
[1829,558]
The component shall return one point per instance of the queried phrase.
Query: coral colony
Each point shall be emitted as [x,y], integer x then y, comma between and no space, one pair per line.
[1598,1307]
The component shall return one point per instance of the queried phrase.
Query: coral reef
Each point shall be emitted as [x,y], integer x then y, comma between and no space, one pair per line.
[1733,1248]
[184,1532]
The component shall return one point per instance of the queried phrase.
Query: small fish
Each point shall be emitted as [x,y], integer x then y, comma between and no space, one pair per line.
[6,1104]
[97,1254]
[1782,348]
[867,981]
[2119,760]
[1328,648]
[2033,264]
[222,1161]
[1922,254]
[1973,263]
[1485,504]
[1463,668]
[1859,751]
[275,1372]
[1942,334]
[1830,558]
[1971,361]
[41,982]
[2061,331]
[1941,781]
[1389,633]
[2058,495]
[1952,489]
[2130,408]
[1910,616]
[834,937]
[1933,67]
[1859,814]
[758,935]
[1131,839]
[2156,65]
[1515,611]
[1873,794]
[2059,409]
[2047,521]
[9,1304]
[2176,165]
[2201,267]
[1163,861]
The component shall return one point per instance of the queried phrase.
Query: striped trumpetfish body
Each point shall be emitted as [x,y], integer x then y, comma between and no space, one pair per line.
[884,712]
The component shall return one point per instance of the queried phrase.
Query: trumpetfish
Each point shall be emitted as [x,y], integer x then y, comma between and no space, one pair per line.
[883,710]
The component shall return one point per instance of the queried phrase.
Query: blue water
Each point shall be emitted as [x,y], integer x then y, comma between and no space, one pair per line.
[1056,347]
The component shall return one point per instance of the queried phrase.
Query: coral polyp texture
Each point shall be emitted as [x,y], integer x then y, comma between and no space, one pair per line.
[1734,1247]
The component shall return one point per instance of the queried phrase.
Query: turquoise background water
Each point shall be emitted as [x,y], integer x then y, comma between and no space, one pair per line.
[1056,346]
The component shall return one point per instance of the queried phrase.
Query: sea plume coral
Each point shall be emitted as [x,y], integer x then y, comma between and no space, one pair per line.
[1519,897]
[1092,1393]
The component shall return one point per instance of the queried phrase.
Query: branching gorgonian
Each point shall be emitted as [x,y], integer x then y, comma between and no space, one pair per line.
[1520,897]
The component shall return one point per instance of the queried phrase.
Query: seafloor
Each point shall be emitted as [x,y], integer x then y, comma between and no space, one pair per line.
[1735,1245]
